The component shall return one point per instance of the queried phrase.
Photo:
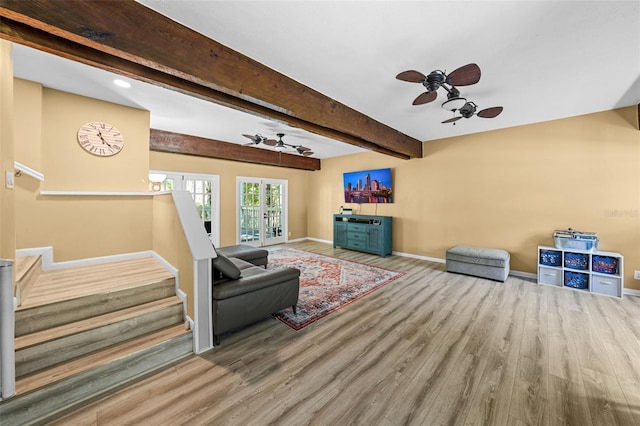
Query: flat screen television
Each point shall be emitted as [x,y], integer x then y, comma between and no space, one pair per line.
[368,186]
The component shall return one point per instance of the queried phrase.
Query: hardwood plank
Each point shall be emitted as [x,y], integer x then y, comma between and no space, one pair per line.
[563,353]
[427,346]
[607,403]
[568,404]
[492,398]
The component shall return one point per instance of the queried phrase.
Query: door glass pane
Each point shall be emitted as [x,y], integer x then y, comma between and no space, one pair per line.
[200,190]
[250,212]
[273,206]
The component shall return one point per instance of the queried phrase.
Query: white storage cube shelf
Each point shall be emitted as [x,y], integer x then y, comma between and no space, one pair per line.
[575,269]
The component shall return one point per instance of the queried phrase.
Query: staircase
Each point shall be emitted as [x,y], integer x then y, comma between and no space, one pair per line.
[85,331]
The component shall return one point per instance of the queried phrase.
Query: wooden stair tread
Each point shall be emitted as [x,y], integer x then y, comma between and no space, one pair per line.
[43,378]
[38,337]
[64,284]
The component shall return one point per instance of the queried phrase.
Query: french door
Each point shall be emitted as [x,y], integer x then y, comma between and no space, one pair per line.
[262,211]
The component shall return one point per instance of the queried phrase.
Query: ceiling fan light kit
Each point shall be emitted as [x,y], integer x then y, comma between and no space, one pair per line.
[454,104]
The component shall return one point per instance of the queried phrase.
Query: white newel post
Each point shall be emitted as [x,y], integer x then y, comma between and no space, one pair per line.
[7,327]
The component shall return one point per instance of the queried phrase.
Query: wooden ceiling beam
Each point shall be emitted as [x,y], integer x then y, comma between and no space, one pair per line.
[126,37]
[176,143]
[32,37]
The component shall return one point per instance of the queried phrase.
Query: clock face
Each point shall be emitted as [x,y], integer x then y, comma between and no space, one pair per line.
[100,138]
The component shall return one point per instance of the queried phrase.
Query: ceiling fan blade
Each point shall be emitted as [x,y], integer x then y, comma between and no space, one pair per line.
[307,153]
[490,112]
[451,120]
[425,98]
[465,75]
[270,142]
[254,139]
[303,148]
[411,76]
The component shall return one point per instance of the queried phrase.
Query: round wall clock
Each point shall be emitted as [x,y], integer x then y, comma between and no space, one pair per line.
[100,138]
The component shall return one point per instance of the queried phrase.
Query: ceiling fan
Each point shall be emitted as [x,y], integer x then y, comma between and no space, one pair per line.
[279,144]
[468,110]
[464,76]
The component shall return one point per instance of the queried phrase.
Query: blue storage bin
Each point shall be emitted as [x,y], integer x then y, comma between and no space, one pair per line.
[605,264]
[550,258]
[576,280]
[576,261]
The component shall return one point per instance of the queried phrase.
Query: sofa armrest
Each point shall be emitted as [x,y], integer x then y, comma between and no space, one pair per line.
[253,279]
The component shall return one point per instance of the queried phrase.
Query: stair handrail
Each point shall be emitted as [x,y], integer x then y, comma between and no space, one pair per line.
[28,171]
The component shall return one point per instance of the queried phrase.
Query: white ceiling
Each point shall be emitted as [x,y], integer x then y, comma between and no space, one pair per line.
[540,60]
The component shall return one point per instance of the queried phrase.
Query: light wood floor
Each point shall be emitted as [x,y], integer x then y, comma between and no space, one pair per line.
[430,348]
[65,284]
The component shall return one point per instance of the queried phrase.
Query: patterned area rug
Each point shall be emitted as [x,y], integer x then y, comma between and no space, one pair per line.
[326,283]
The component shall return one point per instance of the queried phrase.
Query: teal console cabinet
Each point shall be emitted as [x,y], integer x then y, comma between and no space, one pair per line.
[371,234]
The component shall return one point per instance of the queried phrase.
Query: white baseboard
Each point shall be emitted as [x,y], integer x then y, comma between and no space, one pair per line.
[297,240]
[49,264]
[318,240]
[417,256]
[520,274]
[631,292]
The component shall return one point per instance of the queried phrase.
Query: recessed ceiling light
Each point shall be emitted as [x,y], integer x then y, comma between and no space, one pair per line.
[122,83]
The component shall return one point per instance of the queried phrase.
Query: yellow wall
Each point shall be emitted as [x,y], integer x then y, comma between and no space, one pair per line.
[509,189]
[228,171]
[28,123]
[68,167]
[7,195]
[79,227]
[171,244]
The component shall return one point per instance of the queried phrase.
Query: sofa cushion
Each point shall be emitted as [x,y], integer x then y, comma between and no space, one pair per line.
[228,269]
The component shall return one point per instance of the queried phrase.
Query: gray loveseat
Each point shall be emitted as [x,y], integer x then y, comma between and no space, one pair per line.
[244,293]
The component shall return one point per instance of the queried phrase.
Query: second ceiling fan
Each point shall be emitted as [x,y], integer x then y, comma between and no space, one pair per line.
[279,144]
[464,76]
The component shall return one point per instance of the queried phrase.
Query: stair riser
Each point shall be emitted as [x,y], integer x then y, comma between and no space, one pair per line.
[56,314]
[46,404]
[50,353]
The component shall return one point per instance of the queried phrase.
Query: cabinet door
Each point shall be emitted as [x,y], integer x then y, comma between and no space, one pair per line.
[340,234]
[374,241]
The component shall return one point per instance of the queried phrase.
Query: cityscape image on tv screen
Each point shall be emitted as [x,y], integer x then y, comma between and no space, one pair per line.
[368,186]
